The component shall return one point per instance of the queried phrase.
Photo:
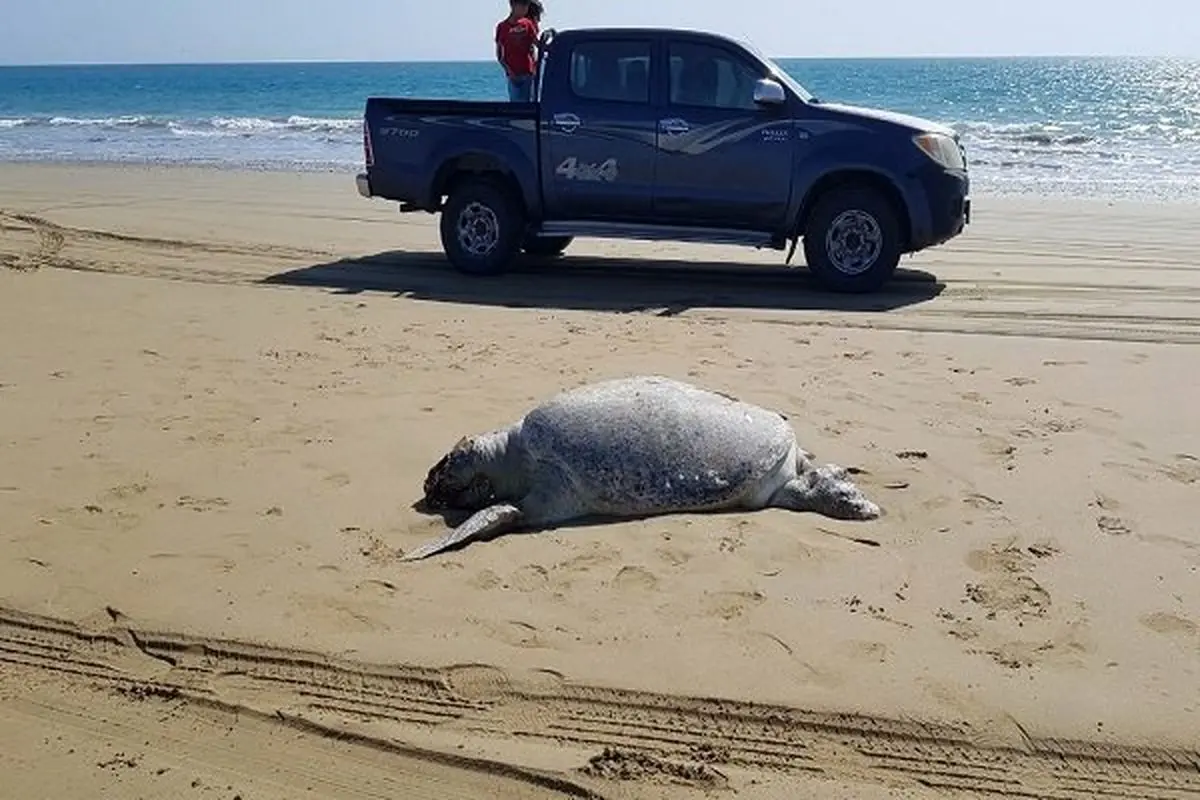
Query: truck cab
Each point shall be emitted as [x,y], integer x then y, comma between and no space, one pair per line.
[673,135]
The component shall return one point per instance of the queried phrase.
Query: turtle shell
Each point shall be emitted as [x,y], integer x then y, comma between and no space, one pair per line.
[649,445]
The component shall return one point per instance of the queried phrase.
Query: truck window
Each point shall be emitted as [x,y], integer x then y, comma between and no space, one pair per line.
[611,70]
[710,77]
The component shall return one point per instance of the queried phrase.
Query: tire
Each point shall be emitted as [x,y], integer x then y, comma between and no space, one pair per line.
[547,246]
[481,227]
[852,240]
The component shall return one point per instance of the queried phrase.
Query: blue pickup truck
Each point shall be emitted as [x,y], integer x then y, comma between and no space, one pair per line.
[659,134]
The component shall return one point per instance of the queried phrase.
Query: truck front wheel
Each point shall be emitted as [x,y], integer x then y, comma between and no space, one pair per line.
[852,241]
[481,228]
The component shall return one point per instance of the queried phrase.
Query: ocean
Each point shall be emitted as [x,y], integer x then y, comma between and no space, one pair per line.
[1121,128]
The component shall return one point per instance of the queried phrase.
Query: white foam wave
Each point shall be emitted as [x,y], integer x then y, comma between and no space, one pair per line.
[105,122]
[197,126]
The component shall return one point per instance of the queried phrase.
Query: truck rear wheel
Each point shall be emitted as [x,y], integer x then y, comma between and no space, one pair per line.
[481,228]
[547,246]
[852,241]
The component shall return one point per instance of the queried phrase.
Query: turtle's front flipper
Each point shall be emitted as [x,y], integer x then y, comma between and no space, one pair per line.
[826,490]
[483,524]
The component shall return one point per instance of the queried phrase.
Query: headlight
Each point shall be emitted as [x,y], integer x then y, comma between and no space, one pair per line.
[942,149]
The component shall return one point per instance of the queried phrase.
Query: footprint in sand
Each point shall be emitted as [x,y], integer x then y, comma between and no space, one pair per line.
[377,587]
[127,491]
[1069,648]
[530,578]
[513,633]
[1113,526]
[1170,624]
[963,629]
[1045,424]
[1019,595]
[982,501]
[587,561]
[1044,549]
[1004,557]
[1185,468]
[731,605]
[377,552]
[201,503]
[635,579]
[1001,450]
[673,556]
[339,480]
[486,580]
[1007,587]
[478,682]
[860,651]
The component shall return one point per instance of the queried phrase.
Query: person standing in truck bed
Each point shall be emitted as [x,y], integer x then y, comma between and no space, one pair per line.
[516,37]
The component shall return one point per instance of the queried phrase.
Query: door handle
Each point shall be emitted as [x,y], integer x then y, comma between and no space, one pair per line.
[674,127]
[567,123]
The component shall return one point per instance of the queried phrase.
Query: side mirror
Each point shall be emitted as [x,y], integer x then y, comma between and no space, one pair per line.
[769,93]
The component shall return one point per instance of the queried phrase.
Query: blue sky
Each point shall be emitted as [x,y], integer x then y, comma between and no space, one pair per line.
[397,30]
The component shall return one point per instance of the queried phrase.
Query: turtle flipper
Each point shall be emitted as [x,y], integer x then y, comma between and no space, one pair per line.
[486,523]
[826,490]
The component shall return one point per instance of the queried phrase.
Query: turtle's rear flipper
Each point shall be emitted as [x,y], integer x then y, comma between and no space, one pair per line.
[485,524]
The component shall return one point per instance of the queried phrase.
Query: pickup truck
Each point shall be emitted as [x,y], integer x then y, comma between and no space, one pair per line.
[669,135]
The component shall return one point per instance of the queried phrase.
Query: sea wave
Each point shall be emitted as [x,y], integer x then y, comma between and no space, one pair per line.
[1114,156]
[237,126]
[1056,134]
[1078,132]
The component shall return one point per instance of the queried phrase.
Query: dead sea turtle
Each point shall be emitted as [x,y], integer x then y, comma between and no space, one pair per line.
[626,448]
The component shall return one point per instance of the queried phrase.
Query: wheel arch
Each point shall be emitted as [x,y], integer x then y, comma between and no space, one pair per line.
[857,177]
[508,170]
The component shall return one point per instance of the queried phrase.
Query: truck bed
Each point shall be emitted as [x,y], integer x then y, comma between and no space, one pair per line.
[407,140]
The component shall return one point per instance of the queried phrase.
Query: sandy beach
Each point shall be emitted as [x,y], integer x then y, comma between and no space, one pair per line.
[220,392]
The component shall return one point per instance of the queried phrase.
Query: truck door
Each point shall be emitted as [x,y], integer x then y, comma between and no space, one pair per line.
[599,129]
[723,161]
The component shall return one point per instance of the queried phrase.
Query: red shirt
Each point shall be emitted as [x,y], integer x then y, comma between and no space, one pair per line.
[516,40]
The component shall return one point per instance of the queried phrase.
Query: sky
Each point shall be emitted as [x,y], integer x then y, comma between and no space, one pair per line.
[157,31]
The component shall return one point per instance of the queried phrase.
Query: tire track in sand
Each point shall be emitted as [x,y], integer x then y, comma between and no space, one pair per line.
[1130,307]
[320,693]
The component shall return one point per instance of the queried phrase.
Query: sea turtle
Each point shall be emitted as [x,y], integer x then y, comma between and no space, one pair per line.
[626,448]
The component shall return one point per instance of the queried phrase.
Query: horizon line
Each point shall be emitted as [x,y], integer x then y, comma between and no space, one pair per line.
[456,61]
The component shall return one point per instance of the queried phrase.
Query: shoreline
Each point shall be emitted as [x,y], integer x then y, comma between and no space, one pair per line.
[193,456]
[350,169]
[348,172]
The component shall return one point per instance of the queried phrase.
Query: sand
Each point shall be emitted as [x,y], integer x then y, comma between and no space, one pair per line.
[219,394]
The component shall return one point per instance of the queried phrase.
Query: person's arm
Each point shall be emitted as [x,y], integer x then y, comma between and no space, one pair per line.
[500,52]
[533,36]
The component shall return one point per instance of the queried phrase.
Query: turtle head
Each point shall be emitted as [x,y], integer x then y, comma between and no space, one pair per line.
[458,480]
[834,495]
